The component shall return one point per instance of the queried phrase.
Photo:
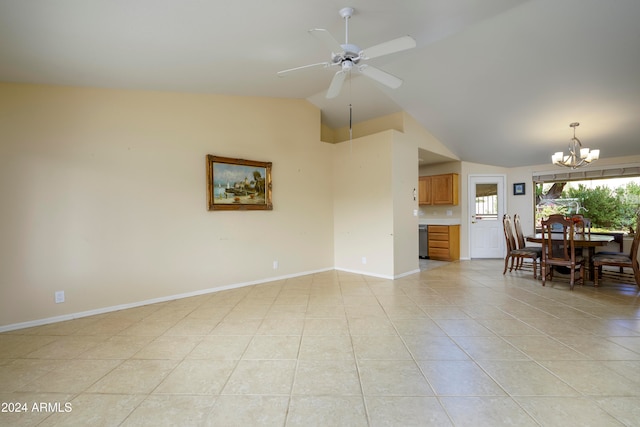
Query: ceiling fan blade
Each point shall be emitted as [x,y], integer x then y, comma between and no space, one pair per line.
[336,84]
[327,39]
[380,76]
[283,72]
[392,46]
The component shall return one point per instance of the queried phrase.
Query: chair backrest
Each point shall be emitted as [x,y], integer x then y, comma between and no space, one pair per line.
[633,253]
[558,246]
[508,233]
[634,246]
[582,224]
[519,235]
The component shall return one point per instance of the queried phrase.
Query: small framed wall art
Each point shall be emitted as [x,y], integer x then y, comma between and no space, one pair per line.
[518,189]
[238,184]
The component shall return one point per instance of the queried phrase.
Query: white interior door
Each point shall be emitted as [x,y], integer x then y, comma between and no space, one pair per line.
[486,208]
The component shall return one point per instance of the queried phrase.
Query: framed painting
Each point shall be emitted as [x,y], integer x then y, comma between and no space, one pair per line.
[518,189]
[238,184]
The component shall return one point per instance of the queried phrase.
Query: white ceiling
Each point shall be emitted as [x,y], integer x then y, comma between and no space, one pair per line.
[497,81]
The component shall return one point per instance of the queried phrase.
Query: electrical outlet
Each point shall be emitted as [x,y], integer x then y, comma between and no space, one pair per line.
[364,259]
[59,297]
[275,265]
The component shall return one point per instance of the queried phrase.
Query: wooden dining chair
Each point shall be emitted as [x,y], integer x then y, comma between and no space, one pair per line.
[560,251]
[618,259]
[515,255]
[520,239]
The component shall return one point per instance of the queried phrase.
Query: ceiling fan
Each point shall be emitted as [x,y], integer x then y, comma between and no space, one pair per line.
[349,56]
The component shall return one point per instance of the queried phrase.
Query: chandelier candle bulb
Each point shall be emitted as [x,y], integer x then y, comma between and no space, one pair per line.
[557,157]
[584,153]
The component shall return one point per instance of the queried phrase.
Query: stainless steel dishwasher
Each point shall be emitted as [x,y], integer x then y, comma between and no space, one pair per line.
[423,239]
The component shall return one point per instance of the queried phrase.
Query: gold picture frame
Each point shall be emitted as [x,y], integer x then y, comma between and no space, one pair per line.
[238,184]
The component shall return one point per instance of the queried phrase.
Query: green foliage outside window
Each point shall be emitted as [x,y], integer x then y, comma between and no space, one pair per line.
[609,209]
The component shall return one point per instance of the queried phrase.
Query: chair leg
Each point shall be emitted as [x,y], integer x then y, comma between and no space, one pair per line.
[572,279]
[534,269]
[506,264]
[580,275]
[596,274]
[520,263]
[540,268]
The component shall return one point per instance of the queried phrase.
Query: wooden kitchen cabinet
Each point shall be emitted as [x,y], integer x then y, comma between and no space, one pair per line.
[424,190]
[438,189]
[444,189]
[444,242]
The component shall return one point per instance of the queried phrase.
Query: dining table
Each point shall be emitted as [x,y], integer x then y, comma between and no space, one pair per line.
[586,241]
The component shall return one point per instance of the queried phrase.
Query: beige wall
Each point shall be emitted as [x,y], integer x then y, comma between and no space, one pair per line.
[369,127]
[405,203]
[425,139]
[375,178]
[363,208]
[102,195]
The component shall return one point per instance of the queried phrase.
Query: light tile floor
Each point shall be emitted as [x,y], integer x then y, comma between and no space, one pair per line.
[457,344]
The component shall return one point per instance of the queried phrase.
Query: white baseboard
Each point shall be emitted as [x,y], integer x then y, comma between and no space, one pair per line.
[364,273]
[408,273]
[382,276]
[71,316]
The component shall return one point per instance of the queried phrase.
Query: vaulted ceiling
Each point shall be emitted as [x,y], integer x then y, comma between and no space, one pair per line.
[496,81]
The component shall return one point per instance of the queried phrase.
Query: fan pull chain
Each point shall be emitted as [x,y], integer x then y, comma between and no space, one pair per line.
[350,123]
[350,130]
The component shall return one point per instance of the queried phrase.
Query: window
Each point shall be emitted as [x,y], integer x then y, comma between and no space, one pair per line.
[487,201]
[612,204]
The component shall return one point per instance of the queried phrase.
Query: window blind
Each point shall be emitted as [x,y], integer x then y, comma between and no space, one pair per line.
[614,171]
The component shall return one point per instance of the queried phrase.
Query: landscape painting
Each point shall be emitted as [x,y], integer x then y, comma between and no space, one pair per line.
[238,184]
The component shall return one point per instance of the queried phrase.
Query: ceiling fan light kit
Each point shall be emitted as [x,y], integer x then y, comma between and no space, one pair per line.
[578,155]
[348,56]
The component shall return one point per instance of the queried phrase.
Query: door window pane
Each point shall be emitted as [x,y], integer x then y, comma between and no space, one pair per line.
[487,202]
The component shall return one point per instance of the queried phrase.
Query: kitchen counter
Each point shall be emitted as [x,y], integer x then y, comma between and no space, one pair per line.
[439,221]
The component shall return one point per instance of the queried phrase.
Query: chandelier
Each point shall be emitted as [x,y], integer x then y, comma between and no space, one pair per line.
[578,156]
